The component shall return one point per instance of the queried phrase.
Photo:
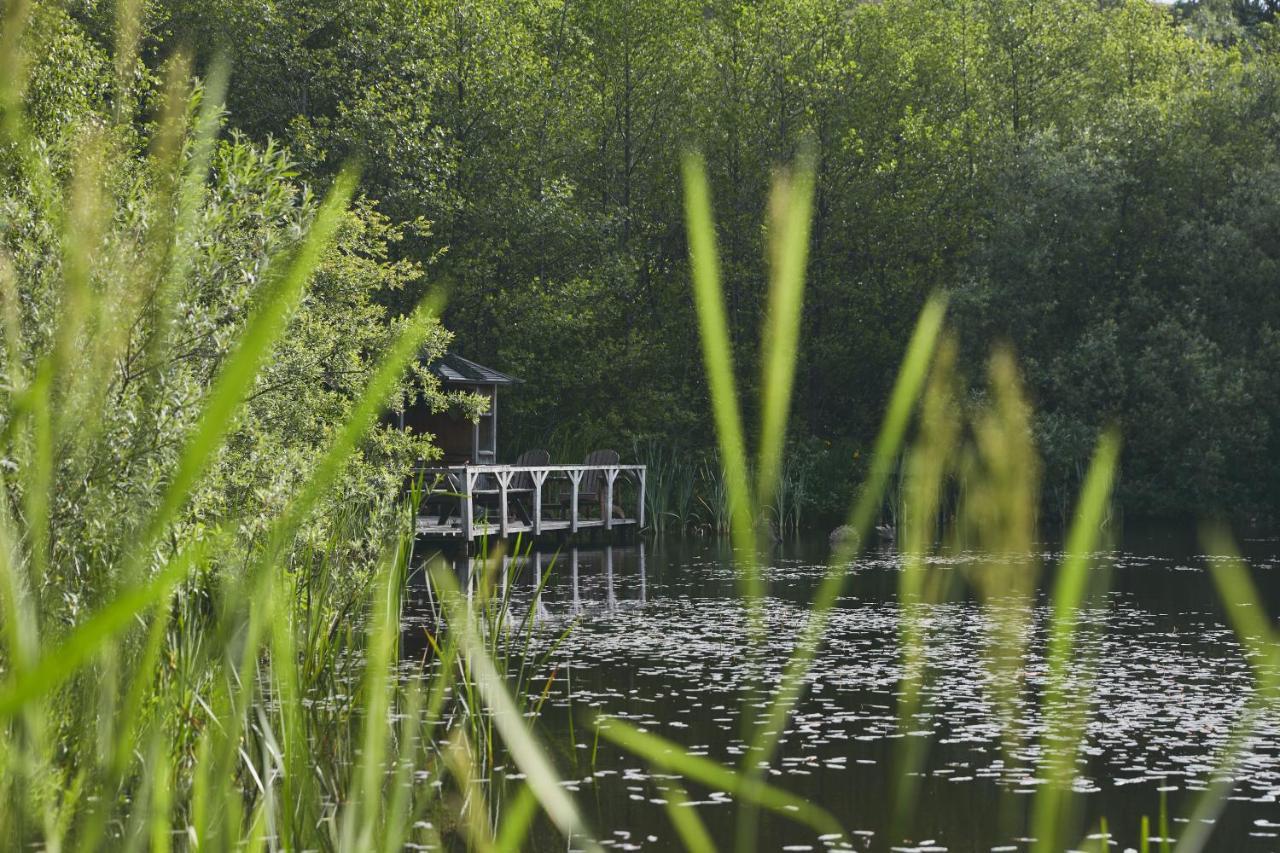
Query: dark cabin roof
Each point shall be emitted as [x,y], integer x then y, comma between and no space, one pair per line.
[455,368]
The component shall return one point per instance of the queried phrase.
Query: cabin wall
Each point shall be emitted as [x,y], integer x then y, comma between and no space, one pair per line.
[461,441]
[487,429]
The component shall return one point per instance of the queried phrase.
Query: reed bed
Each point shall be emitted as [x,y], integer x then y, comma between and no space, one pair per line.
[686,492]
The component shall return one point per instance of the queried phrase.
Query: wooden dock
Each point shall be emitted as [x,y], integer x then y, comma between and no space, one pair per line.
[466,503]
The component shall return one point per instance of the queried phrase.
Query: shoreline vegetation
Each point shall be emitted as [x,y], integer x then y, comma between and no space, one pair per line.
[1093,183]
[204,536]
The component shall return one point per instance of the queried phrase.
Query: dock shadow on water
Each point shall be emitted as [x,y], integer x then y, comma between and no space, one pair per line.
[659,637]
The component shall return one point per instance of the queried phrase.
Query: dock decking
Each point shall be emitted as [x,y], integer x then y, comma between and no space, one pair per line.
[470,502]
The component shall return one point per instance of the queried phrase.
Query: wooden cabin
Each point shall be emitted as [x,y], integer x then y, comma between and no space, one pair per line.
[467,496]
[463,442]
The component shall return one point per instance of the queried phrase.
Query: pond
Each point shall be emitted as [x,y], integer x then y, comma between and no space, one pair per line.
[659,639]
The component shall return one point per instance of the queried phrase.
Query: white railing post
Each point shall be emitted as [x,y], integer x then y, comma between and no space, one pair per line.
[468,510]
[641,499]
[504,480]
[610,475]
[539,477]
[611,598]
[576,477]
[644,593]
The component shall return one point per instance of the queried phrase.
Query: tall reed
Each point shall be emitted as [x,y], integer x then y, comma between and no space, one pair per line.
[985,474]
[670,488]
[194,679]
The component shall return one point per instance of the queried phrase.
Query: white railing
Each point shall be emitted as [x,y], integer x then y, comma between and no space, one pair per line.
[457,499]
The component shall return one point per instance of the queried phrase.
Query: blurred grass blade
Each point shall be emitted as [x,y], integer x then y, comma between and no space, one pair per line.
[517,819]
[128,35]
[926,466]
[361,816]
[1261,643]
[1243,604]
[397,821]
[1063,709]
[19,626]
[178,202]
[717,354]
[692,831]
[14,79]
[790,206]
[906,391]
[88,638]
[13,62]
[520,742]
[670,756]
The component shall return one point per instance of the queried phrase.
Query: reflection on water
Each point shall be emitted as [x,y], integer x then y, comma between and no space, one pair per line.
[659,640]
[549,583]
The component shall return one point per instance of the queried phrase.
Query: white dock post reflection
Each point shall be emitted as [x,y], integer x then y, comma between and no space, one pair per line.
[540,606]
[573,576]
[644,592]
[549,597]
[611,600]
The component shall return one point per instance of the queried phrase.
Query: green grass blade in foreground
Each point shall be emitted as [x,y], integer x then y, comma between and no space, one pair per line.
[926,467]
[1262,643]
[178,223]
[13,59]
[906,392]
[1064,711]
[397,822]
[128,35]
[1243,604]
[692,831]
[670,756]
[361,812]
[297,795]
[241,368]
[14,78]
[717,353]
[372,400]
[92,635]
[789,220]
[521,743]
[516,820]
[19,619]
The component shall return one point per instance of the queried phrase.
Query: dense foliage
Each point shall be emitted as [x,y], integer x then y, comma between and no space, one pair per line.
[195,496]
[1095,182]
[139,312]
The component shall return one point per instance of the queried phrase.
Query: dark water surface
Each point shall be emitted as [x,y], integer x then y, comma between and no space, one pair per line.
[659,640]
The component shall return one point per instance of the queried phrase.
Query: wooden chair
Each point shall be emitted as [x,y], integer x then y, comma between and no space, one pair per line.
[522,485]
[592,486]
[445,496]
